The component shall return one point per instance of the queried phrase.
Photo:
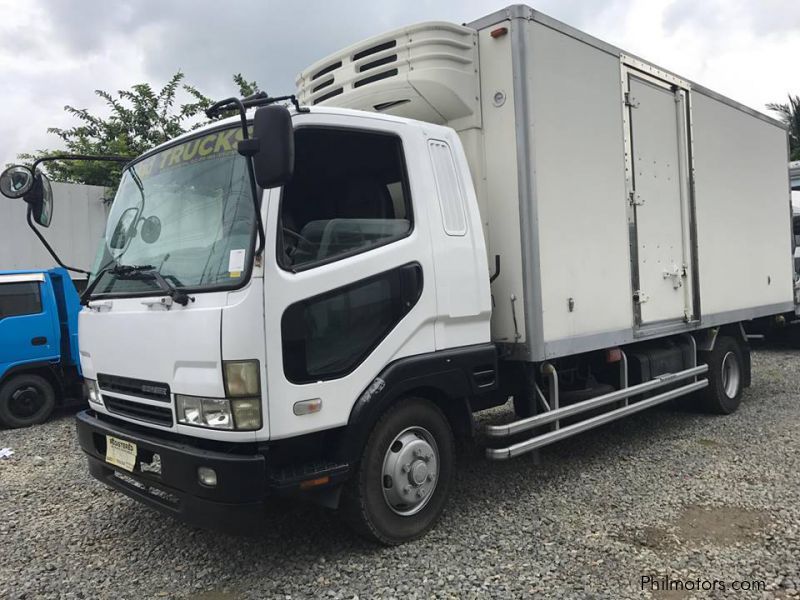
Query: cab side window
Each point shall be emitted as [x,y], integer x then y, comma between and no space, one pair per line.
[20,298]
[349,194]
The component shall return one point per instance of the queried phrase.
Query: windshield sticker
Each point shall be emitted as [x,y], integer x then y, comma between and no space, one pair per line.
[236,262]
[214,145]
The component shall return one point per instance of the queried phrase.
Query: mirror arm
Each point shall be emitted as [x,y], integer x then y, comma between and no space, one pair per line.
[100,157]
[29,216]
[46,245]
[214,110]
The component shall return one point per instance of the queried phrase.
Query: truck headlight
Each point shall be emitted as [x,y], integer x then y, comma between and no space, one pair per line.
[93,391]
[247,413]
[204,412]
[242,378]
[242,414]
[239,410]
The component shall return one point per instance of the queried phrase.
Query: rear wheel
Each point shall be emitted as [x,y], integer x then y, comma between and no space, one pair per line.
[403,479]
[26,400]
[726,368]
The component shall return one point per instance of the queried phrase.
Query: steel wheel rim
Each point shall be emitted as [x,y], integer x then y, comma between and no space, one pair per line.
[410,471]
[26,402]
[731,375]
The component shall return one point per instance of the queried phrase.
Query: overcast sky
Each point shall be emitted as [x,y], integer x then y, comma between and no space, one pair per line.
[56,52]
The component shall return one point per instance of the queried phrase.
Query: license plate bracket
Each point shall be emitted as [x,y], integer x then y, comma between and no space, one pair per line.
[121,453]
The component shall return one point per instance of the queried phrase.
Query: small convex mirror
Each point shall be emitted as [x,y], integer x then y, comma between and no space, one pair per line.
[16,181]
[125,229]
[150,229]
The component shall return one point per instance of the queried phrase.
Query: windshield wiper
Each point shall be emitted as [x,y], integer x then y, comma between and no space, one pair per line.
[137,271]
[116,269]
[170,289]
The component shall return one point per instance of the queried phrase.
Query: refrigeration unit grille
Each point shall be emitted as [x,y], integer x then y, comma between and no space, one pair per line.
[428,72]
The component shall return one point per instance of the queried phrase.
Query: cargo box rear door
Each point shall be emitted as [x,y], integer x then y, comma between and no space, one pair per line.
[659,203]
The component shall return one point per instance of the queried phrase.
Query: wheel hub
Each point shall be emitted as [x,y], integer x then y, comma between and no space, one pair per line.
[731,375]
[25,402]
[410,471]
[419,473]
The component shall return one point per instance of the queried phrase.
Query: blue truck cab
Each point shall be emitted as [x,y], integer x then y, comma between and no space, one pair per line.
[39,360]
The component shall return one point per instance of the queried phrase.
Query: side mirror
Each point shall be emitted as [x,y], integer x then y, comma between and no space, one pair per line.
[272,146]
[20,182]
[16,181]
[40,199]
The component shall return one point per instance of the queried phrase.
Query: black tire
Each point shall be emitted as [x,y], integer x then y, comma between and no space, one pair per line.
[726,376]
[364,505]
[26,400]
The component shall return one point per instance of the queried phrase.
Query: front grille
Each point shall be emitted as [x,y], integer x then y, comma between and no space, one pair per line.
[153,390]
[141,412]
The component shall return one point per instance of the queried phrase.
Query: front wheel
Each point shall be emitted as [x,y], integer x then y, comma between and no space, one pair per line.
[403,479]
[26,400]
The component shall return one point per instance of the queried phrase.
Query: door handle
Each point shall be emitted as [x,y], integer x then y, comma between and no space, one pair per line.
[410,285]
[39,341]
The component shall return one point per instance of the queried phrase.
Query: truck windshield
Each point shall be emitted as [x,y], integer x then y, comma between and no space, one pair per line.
[185,212]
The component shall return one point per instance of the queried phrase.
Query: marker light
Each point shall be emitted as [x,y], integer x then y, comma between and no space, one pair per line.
[306,407]
[93,391]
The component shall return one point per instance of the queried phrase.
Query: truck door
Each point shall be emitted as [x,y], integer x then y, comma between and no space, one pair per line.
[28,332]
[660,214]
[351,287]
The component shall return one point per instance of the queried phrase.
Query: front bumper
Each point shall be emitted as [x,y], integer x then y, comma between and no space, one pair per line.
[235,503]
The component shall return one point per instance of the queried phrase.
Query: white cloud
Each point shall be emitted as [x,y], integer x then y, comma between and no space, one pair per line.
[54,52]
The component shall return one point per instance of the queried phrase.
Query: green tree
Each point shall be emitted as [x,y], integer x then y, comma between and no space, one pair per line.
[789,113]
[140,119]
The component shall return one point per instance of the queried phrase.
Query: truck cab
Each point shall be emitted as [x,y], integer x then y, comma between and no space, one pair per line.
[39,361]
[373,273]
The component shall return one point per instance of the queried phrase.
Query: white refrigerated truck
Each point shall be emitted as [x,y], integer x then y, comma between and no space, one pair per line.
[424,248]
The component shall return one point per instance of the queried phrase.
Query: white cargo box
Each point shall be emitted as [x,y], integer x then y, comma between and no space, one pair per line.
[624,202]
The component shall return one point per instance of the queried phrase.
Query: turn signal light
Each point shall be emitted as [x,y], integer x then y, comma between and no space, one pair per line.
[306,407]
[304,485]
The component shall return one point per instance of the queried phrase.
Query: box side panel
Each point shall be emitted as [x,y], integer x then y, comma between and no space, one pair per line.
[500,186]
[578,165]
[743,210]
[79,223]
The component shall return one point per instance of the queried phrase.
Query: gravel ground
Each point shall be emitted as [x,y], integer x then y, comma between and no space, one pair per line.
[666,493]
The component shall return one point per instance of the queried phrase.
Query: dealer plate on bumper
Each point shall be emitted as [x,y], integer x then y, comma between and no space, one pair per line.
[120,453]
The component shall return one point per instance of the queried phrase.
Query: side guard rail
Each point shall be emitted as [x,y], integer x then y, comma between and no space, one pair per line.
[550,416]
[550,437]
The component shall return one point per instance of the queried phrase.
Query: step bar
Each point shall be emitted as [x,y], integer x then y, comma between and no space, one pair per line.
[624,394]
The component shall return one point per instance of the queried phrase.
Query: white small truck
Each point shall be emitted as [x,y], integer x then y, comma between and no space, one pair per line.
[316,300]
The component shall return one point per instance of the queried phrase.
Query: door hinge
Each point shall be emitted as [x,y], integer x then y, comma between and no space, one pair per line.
[640,297]
[635,199]
[631,101]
